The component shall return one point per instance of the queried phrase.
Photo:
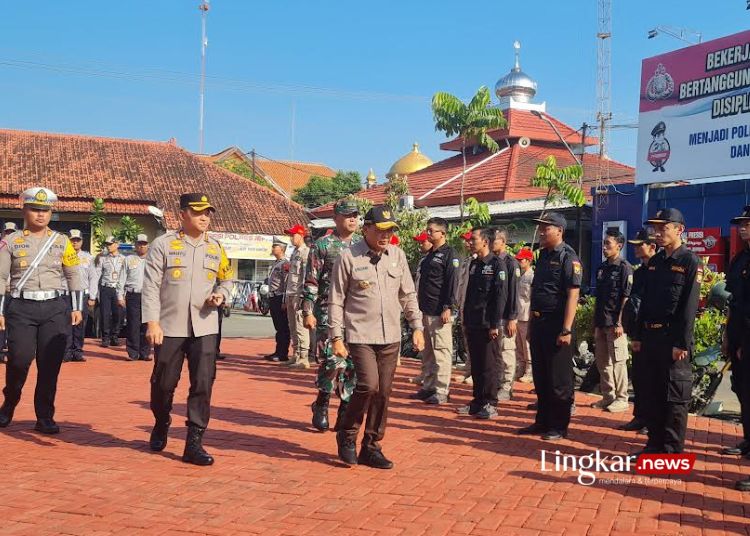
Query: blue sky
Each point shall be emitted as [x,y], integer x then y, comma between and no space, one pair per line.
[358,75]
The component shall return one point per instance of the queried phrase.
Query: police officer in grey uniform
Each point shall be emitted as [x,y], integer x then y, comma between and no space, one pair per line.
[36,312]
[8,228]
[137,347]
[187,277]
[87,270]
[111,292]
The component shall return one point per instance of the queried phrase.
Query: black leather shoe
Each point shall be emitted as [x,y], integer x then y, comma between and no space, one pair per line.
[534,429]
[79,359]
[374,458]
[347,449]
[6,415]
[271,357]
[146,358]
[320,411]
[158,440]
[130,357]
[633,426]
[554,435]
[115,342]
[422,394]
[47,426]
[742,485]
[194,452]
[742,448]
[220,357]
[105,344]
[67,359]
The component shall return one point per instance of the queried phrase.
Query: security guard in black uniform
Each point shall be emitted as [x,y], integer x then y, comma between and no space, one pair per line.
[554,299]
[664,333]
[736,342]
[38,317]
[645,248]
[483,308]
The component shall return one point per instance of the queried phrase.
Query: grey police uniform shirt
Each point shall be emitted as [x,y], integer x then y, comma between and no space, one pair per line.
[296,278]
[134,269]
[110,270]
[180,274]
[18,251]
[89,277]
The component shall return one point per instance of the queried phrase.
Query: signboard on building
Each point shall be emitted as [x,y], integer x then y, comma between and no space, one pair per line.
[694,119]
[707,242]
[246,246]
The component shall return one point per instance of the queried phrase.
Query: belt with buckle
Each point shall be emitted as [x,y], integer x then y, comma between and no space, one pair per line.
[37,295]
[656,325]
[132,291]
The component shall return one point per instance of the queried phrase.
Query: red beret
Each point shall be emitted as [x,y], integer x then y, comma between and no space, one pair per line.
[524,253]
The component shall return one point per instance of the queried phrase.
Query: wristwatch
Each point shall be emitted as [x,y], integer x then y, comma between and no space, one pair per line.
[566,332]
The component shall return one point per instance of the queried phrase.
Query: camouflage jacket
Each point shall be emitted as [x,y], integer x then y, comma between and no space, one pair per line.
[323,254]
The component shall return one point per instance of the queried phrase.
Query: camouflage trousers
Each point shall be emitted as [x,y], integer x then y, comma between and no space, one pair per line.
[334,373]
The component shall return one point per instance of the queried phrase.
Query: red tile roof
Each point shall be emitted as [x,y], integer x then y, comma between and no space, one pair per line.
[524,123]
[505,175]
[291,175]
[132,174]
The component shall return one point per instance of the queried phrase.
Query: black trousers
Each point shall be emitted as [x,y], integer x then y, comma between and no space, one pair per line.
[218,338]
[35,329]
[136,344]
[552,370]
[168,360]
[667,389]
[281,325]
[637,372]
[483,367]
[740,382]
[110,313]
[74,346]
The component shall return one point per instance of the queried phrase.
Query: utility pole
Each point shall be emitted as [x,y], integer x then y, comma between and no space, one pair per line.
[252,158]
[204,7]
[579,226]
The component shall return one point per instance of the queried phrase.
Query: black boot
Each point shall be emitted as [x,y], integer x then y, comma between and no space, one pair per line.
[6,414]
[194,452]
[158,440]
[347,449]
[340,415]
[320,411]
[47,426]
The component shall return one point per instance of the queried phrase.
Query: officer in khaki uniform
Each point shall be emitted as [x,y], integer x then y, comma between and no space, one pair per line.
[294,287]
[138,348]
[187,277]
[110,268]
[370,286]
[8,228]
[36,312]
[87,271]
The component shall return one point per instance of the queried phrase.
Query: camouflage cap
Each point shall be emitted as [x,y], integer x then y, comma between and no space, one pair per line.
[346,206]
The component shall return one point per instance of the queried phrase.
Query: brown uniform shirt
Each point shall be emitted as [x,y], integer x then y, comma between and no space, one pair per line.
[180,274]
[296,278]
[18,250]
[367,298]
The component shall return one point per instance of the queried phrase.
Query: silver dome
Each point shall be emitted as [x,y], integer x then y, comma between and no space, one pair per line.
[516,83]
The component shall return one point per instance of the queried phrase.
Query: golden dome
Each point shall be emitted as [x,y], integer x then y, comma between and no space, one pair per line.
[371,179]
[410,163]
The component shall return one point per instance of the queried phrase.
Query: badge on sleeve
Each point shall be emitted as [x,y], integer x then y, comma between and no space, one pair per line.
[630,279]
[456,263]
[501,275]
[576,267]
[518,272]
[699,276]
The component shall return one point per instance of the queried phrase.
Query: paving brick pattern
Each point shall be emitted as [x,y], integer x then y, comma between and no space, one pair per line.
[274,476]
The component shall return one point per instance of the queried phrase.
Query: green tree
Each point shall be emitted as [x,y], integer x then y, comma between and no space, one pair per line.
[128,231]
[97,219]
[560,183]
[243,169]
[322,190]
[478,215]
[410,221]
[470,121]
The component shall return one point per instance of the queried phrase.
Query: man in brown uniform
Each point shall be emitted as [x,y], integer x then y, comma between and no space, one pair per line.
[371,285]
[36,311]
[300,335]
[187,277]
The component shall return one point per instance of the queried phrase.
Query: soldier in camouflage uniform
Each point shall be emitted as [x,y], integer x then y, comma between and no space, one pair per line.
[333,372]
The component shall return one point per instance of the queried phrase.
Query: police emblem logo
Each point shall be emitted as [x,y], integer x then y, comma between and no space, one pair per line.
[23,264]
[517,273]
[177,261]
[176,273]
[661,85]
[40,195]
[204,199]
[456,263]
[630,279]
[22,253]
[364,284]
[386,214]
[576,267]
[501,275]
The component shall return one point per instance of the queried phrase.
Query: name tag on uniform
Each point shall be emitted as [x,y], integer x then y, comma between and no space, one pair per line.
[652,268]
[554,263]
[680,269]
[488,270]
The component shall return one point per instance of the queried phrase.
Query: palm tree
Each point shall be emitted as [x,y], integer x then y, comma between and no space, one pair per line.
[561,183]
[469,121]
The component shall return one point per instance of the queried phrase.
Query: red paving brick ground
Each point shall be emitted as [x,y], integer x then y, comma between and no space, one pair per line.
[274,476]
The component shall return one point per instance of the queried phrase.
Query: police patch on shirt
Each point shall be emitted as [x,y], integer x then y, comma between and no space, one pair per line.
[576,267]
[699,276]
[487,269]
[456,263]
[501,275]
[518,272]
